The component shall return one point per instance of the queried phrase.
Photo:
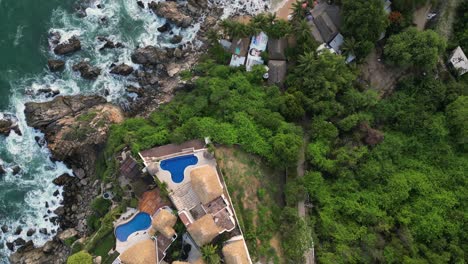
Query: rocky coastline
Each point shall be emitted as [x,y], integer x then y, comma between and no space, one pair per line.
[76,127]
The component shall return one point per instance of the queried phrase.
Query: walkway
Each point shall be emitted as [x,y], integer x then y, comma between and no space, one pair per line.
[309,255]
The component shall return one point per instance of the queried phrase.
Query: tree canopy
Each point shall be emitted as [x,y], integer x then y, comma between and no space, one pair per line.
[414,48]
[365,21]
[81,257]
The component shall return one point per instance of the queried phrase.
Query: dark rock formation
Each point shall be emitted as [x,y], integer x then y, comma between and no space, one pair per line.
[122,69]
[16,170]
[5,229]
[176,39]
[8,123]
[149,55]
[48,92]
[26,247]
[172,13]
[68,47]
[63,179]
[2,170]
[56,65]
[141,4]
[53,252]
[31,232]
[109,44]
[86,70]
[18,230]
[164,28]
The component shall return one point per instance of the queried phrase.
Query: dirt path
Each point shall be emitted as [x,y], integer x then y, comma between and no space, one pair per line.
[309,255]
[420,16]
[447,17]
[379,76]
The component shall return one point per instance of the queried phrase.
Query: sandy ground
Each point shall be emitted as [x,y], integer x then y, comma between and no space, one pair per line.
[420,16]
[283,9]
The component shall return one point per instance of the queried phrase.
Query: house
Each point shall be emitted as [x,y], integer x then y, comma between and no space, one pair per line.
[276,72]
[326,21]
[196,189]
[276,48]
[459,61]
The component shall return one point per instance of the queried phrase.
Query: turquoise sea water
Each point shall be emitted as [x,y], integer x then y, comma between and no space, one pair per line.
[24,50]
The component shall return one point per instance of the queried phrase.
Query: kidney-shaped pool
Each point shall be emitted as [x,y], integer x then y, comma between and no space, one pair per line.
[139,222]
[176,166]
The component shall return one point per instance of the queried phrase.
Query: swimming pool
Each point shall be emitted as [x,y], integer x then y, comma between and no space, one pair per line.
[139,222]
[176,166]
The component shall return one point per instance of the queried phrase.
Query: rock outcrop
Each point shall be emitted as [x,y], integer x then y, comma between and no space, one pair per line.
[56,65]
[172,13]
[70,46]
[53,252]
[149,55]
[75,127]
[86,70]
[122,69]
[8,122]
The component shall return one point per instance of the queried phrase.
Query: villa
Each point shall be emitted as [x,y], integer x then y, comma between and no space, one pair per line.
[197,191]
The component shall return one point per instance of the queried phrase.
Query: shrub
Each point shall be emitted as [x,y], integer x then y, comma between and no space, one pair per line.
[81,257]
[101,206]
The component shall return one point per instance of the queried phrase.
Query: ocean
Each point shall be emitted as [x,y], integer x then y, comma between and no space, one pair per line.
[24,50]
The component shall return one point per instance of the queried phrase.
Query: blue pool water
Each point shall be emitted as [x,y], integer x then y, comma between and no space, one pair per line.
[176,166]
[139,222]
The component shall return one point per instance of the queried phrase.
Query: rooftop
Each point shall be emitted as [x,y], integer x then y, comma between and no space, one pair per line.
[167,150]
[204,230]
[459,60]
[235,252]
[142,252]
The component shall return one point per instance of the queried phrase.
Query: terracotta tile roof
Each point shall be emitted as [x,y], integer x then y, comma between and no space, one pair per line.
[171,149]
[151,201]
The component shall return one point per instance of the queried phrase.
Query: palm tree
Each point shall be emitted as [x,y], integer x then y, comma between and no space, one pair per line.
[298,12]
[210,254]
[349,46]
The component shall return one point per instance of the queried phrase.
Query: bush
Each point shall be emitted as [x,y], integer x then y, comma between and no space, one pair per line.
[81,257]
[101,206]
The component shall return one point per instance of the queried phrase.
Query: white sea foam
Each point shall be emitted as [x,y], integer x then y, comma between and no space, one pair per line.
[120,21]
[19,35]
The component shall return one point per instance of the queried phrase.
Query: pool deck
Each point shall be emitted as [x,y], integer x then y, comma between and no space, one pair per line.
[165,176]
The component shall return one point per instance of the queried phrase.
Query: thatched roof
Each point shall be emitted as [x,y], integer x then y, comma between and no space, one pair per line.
[276,72]
[164,222]
[180,262]
[203,230]
[276,48]
[198,261]
[236,253]
[142,252]
[205,183]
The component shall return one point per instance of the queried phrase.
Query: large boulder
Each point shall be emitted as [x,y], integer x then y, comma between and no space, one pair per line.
[86,70]
[70,46]
[8,123]
[172,13]
[63,179]
[66,234]
[122,69]
[56,65]
[75,127]
[149,55]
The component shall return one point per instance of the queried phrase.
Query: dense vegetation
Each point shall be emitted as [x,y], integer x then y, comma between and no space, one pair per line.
[460,36]
[387,177]
[364,21]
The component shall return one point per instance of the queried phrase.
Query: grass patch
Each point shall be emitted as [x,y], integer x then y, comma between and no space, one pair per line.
[86,117]
[104,246]
[256,194]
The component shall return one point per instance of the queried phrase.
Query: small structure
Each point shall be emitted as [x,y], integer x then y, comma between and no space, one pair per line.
[326,21]
[276,49]
[130,168]
[204,230]
[326,27]
[235,252]
[459,61]
[240,47]
[277,72]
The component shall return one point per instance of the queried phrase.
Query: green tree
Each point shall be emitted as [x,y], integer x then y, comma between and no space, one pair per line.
[414,48]
[210,254]
[365,21]
[81,257]
[296,235]
[457,114]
